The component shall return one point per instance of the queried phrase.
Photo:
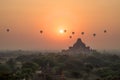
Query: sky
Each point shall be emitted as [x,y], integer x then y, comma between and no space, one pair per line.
[25,19]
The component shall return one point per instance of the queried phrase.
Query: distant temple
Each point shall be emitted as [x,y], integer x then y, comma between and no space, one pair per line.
[78,47]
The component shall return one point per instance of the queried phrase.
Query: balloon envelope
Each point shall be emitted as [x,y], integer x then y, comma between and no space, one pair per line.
[94,34]
[65,31]
[73,33]
[82,33]
[70,37]
[105,31]
[7,30]
[41,31]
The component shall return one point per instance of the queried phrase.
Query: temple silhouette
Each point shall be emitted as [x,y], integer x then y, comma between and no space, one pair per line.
[78,47]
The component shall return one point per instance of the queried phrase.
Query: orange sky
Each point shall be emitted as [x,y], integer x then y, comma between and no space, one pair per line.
[26,18]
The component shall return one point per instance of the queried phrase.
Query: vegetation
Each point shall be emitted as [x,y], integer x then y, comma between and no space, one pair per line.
[53,66]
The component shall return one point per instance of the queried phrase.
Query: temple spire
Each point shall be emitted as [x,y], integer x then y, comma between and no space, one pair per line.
[78,47]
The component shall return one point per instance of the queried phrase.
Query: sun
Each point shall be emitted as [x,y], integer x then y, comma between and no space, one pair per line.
[61,31]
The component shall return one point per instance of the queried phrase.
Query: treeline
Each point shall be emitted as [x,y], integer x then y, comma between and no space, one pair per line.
[53,66]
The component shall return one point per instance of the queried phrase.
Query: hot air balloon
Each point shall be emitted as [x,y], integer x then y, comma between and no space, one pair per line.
[94,34]
[73,33]
[105,31]
[65,31]
[82,33]
[70,37]
[7,30]
[41,31]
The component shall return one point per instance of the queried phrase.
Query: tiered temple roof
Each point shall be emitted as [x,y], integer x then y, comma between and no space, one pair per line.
[78,47]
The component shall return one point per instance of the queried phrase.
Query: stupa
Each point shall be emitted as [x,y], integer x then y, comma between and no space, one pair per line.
[78,47]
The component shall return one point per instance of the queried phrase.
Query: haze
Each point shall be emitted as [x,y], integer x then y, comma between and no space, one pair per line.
[25,19]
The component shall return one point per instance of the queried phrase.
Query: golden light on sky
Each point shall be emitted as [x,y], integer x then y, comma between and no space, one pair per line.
[25,19]
[61,31]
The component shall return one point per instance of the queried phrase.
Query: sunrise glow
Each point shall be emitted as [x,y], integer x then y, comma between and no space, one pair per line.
[57,19]
[60,39]
[61,31]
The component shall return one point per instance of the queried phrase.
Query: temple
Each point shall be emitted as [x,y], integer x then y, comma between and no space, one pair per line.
[78,47]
